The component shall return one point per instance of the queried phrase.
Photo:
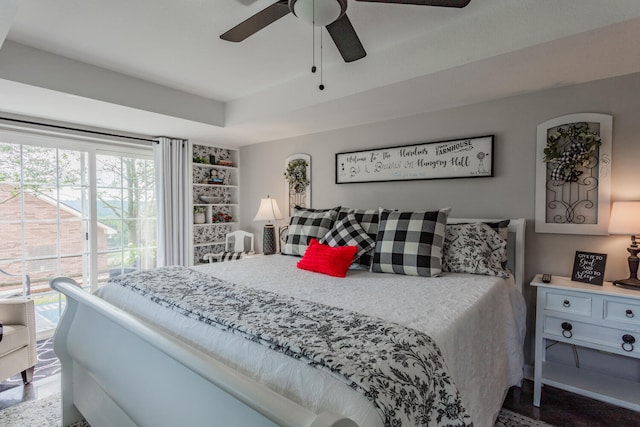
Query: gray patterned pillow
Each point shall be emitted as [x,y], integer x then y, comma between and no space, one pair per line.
[474,248]
[304,225]
[348,232]
[410,242]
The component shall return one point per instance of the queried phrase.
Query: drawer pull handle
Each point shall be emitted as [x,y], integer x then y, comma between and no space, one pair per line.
[629,313]
[566,303]
[566,330]
[628,341]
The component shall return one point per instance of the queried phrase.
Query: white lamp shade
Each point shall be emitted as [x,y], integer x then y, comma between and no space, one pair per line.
[268,210]
[326,11]
[625,218]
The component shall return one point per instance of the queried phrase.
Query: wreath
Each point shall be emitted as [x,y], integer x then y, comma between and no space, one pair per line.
[296,174]
[570,148]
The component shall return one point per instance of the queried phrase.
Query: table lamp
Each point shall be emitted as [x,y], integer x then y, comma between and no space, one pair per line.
[268,211]
[625,219]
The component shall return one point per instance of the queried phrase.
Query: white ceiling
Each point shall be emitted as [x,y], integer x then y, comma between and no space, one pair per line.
[419,59]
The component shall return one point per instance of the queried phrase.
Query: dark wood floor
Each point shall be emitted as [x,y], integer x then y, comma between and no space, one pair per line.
[559,408]
[36,390]
[564,409]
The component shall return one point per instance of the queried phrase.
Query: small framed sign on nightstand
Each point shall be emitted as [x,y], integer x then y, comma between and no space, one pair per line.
[588,267]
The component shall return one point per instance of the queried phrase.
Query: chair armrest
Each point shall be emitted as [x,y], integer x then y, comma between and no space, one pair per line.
[211,256]
[18,312]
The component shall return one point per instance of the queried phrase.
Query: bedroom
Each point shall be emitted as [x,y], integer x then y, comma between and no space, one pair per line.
[508,91]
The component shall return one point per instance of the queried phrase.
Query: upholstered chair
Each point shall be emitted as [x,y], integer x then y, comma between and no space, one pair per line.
[17,339]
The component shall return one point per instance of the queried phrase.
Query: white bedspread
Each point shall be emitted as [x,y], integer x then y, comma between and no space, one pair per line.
[478,322]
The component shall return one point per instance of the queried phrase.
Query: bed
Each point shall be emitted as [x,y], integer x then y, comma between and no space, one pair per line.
[159,368]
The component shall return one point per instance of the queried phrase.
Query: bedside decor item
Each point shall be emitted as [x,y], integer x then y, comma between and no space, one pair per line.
[268,211]
[298,176]
[573,168]
[625,219]
[588,267]
[459,158]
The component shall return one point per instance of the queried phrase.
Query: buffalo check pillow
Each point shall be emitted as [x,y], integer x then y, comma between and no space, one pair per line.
[368,220]
[349,232]
[410,242]
[307,224]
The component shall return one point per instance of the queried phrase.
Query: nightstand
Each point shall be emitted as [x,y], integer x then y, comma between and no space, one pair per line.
[604,318]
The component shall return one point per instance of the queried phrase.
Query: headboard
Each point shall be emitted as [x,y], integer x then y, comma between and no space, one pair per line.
[515,245]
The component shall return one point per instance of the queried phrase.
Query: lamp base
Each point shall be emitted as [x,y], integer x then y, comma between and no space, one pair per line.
[269,240]
[629,283]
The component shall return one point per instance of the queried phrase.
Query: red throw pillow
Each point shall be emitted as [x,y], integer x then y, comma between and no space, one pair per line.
[334,261]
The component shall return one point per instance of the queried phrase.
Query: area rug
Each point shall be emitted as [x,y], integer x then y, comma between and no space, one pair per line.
[45,412]
[507,418]
[47,365]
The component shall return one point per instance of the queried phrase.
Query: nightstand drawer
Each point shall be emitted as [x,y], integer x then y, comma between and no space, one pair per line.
[622,311]
[600,336]
[568,303]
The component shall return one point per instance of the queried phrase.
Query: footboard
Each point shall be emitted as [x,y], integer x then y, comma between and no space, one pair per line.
[117,370]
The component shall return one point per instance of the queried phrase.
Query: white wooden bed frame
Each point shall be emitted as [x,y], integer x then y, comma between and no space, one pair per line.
[119,371]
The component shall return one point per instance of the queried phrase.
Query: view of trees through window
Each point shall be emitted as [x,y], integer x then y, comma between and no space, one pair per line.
[86,214]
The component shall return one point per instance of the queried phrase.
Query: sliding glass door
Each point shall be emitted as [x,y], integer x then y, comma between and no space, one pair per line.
[126,214]
[74,209]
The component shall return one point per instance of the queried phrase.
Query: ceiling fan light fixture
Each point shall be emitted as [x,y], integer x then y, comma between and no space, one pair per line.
[326,11]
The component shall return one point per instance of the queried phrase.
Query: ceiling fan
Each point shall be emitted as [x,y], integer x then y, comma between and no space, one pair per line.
[322,13]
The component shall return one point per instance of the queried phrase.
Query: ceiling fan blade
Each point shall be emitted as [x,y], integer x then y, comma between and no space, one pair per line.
[441,3]
[346,39]
[257,22]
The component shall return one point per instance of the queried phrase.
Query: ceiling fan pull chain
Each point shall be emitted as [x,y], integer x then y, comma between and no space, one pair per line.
[313,39]
[321,87]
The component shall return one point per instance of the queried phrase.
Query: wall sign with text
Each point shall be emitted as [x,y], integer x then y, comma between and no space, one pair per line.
[588,267]
[460,158]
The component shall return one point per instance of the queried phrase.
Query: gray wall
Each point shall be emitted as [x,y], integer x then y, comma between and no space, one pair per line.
[510,194]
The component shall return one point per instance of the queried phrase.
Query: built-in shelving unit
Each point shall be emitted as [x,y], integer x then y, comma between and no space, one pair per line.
[219,183]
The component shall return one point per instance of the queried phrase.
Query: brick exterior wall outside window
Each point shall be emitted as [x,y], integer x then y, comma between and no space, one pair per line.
[41,238]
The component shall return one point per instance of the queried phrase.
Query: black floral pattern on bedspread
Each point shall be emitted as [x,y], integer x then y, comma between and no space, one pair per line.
[399,369]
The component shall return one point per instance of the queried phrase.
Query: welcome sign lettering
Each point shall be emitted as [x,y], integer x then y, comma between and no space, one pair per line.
[461,158]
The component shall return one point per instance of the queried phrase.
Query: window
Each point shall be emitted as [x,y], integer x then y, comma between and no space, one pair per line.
[80,209]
